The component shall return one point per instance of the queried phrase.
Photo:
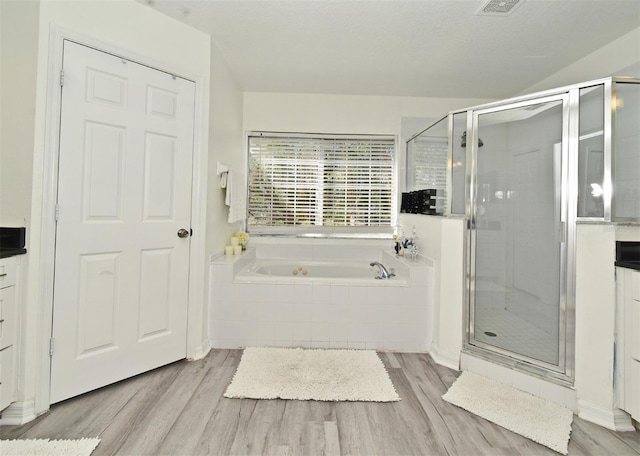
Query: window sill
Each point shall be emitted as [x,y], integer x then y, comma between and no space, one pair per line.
[312,238]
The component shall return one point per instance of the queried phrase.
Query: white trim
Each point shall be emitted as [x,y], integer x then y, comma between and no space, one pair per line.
[444,360]
[47,227]
[18,413]
[196,336]
[310,135]
[201,351]
[563,396]
[610,418]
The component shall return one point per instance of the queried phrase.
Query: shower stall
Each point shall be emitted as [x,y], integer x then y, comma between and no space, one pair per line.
[519,296]
[525,172]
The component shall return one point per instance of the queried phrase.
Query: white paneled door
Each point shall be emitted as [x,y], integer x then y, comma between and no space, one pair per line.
[124,206]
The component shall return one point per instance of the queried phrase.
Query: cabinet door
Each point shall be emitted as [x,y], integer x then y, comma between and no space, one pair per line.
[632,347]
[7,390]
[7,316]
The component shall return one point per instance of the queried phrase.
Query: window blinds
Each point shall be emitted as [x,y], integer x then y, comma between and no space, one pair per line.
[428,157]
[320,181]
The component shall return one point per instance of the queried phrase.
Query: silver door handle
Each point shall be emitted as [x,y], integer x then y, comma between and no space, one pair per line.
[182,233]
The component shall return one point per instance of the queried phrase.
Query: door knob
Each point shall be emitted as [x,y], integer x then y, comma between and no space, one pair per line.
[182,233]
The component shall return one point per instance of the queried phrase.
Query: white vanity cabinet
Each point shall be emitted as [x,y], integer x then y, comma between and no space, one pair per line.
[628,342]
[7,329]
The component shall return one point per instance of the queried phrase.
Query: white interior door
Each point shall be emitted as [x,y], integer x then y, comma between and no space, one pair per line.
[124,192]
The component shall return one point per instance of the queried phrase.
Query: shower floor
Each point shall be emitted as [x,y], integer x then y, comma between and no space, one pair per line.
[500,327]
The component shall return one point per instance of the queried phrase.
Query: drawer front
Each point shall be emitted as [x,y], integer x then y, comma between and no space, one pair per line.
[7,272]
[7,316]
[7,388]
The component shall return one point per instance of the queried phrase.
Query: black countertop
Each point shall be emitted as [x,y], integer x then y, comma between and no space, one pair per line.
[5,253]
[628,254]
[629,264]
[12,241]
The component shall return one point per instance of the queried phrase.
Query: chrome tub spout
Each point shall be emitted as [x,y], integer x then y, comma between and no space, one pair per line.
[383,273]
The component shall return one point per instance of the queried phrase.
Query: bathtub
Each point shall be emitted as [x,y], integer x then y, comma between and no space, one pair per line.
[256,300]
[335,271]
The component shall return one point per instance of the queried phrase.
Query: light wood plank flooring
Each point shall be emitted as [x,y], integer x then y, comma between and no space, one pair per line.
[179,410]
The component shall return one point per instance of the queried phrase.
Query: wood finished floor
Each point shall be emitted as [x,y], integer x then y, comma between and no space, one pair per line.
[179,410]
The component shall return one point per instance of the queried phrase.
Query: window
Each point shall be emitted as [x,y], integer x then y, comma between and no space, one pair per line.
[427,161]
[428,157]
[319,183]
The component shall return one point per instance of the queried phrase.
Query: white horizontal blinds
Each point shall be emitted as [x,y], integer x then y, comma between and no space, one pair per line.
[284,182]
[430,163]
[357,183]
[320,181]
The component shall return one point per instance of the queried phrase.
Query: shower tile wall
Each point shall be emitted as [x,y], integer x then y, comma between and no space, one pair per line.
[518,215]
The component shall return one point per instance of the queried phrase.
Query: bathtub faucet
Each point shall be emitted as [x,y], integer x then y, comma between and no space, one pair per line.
[382,271]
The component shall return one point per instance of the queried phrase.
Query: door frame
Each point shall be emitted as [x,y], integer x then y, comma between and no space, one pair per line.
[197,339]
[564,373]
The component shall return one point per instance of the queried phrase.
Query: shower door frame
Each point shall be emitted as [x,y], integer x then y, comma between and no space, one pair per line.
[563,373]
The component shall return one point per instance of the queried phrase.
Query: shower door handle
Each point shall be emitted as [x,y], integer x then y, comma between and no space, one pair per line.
[563,232]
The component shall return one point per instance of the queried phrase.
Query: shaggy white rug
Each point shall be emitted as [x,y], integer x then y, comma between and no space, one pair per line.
[523,413]
[321,375]
[46,447]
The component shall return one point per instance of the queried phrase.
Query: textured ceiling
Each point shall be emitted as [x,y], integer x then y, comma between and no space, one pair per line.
[432,48]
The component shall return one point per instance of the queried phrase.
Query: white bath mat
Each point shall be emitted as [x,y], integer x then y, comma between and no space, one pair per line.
[46,447]
[321,375]
[523,413]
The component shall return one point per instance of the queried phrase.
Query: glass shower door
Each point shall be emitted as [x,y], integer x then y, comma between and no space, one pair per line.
[518,243]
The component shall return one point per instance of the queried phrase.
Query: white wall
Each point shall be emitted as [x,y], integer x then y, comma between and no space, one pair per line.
[143,35]
[18,60]
[595,320]
[595,323]
[318,113]
[354,114]
[225,146]
[619,58]
[442,239]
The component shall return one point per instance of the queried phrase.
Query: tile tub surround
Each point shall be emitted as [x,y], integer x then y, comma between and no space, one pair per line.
[358,314]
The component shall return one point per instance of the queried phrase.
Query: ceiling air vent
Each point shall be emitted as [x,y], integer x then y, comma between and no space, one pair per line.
[498,7]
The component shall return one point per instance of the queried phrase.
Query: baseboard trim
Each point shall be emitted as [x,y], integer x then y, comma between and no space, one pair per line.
[443,360]
[201,351]
[18,413]
[610,418]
